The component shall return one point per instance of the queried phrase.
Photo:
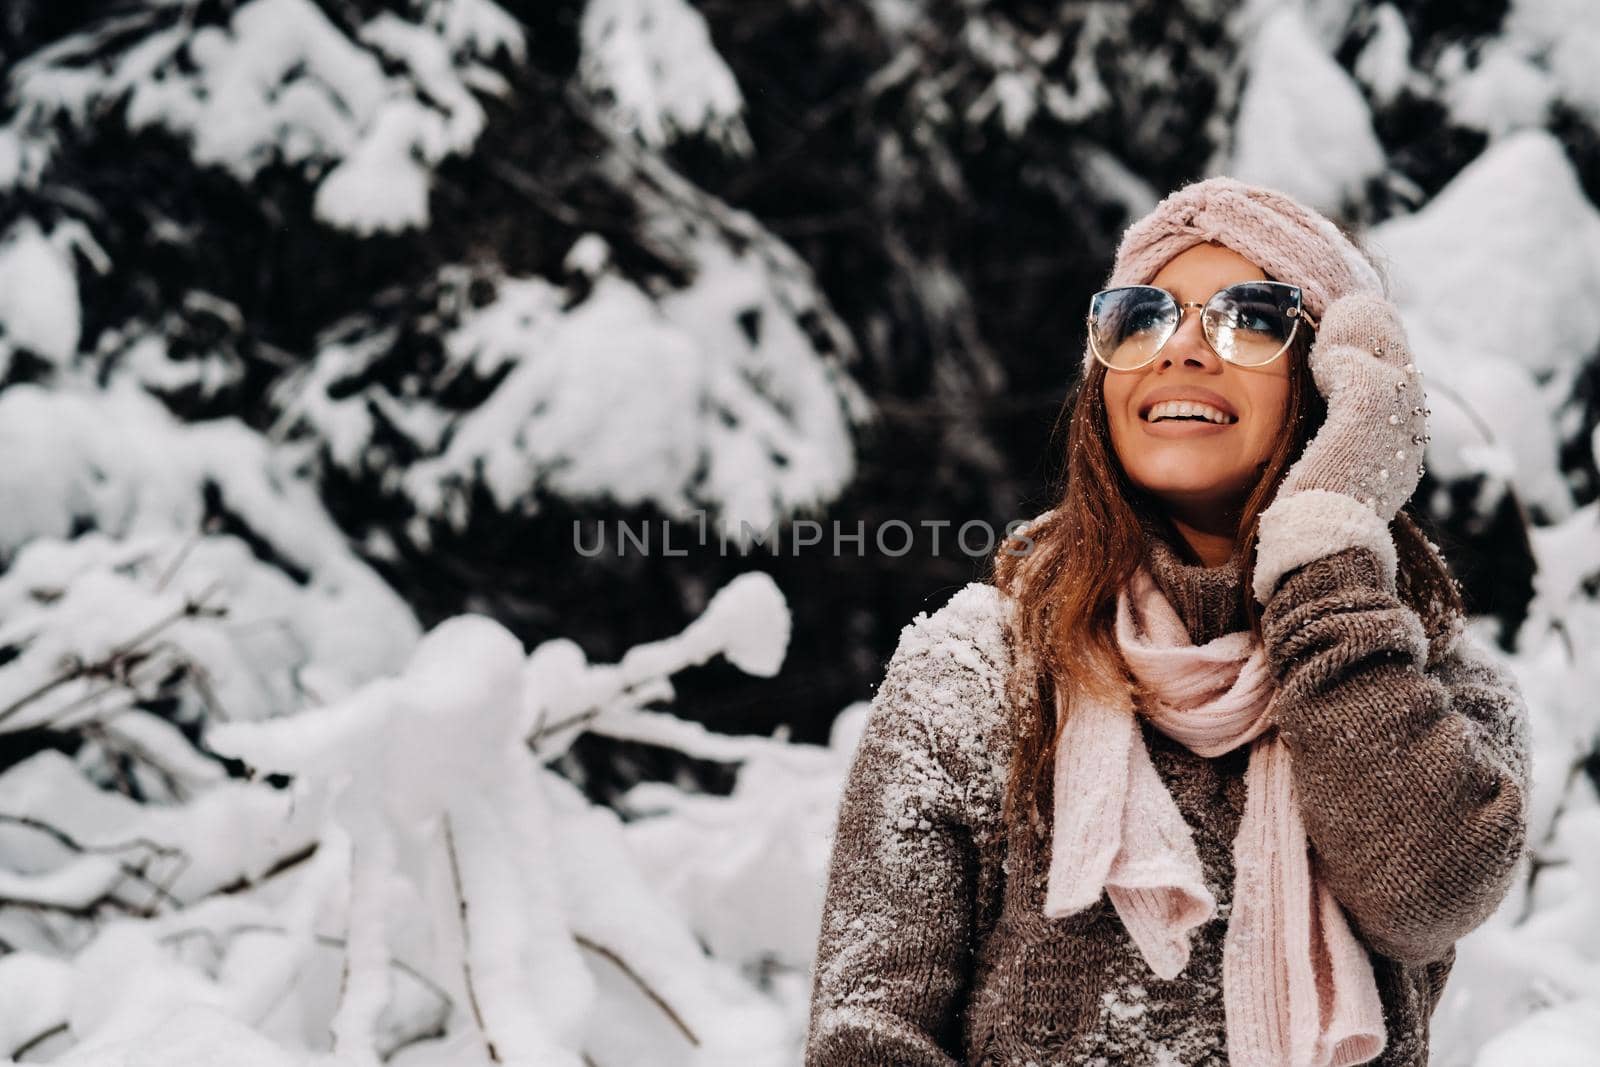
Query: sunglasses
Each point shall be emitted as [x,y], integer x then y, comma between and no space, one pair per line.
[1249,324]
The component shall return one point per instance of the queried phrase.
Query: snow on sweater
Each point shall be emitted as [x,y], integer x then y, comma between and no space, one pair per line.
[1411,766]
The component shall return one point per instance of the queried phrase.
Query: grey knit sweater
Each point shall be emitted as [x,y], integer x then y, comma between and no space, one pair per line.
[1411,768]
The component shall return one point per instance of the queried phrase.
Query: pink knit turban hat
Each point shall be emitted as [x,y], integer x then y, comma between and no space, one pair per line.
[1289,241]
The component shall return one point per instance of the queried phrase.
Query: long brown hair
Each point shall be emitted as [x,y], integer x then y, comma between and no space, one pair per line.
[1063,587]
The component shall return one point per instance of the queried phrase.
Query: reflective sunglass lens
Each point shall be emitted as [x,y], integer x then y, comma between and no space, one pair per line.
[1250,323]
[1131,324]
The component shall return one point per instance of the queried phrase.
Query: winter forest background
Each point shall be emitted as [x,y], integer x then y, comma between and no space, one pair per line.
[322,321]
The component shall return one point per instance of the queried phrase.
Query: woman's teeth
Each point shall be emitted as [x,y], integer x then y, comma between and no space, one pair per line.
[1178,409]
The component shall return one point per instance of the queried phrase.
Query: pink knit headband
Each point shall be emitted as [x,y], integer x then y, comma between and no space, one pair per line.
[1289,241]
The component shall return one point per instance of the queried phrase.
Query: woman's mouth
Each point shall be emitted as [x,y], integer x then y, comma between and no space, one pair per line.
[1186,418]
[1184,409]
[1184,428]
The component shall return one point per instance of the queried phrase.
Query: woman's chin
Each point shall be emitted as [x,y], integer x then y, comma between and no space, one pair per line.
[1190,491]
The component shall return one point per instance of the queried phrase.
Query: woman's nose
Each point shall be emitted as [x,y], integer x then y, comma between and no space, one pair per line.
[1188,344]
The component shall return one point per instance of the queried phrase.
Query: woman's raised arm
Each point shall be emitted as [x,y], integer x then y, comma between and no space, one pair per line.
[1412,777]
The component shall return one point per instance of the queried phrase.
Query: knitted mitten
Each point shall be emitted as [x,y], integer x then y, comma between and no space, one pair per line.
[1364,461]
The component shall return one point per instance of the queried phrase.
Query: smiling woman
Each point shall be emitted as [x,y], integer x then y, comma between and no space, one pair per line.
[1202,471]
[1081,822]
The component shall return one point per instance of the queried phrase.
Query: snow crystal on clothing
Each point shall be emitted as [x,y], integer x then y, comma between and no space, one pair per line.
[1112,1004]
[922,767]
[968,637]
[1147,1021]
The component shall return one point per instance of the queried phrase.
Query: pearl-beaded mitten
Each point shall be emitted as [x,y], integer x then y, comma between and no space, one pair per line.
[1364,462]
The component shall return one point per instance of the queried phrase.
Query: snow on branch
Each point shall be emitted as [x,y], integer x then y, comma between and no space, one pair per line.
[472,898]
[282,82]
[653,65]
[716,396]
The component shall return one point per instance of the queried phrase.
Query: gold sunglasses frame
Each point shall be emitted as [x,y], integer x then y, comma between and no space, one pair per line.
[1297,312]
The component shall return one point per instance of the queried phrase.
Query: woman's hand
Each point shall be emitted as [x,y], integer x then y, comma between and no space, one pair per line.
[1366,459]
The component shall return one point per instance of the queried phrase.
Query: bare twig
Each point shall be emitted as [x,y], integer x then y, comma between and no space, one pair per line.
[200,678]
[67,841]
[644,986]
[123,677]
[96,731]
[1538,865]
[466,939]
[87,911]
[183,553]
[1479,423]
[556,727]
[191,607]
[591,712]
[90,700]
[120,660]
[292,860]
[529,186]
[38,1039]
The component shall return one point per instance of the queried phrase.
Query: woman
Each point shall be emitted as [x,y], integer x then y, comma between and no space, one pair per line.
[1210,772]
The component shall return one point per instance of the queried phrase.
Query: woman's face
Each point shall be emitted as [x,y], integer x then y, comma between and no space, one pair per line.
[1201,471]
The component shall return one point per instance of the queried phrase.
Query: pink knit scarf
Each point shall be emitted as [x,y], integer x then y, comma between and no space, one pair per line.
[1298,988]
